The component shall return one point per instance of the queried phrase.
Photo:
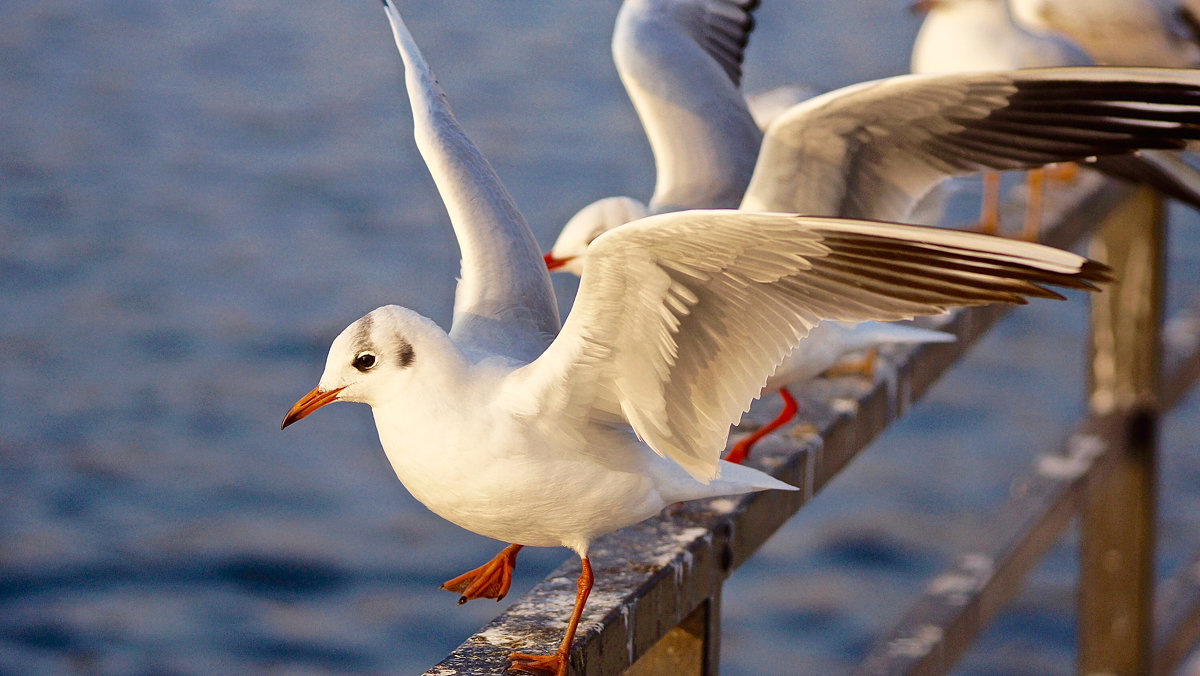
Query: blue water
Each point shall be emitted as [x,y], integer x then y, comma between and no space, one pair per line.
[195,198]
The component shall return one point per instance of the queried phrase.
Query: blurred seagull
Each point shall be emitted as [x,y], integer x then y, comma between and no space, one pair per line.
[960,36]
[517,434]
[1162,33]
[870,150]
[867,151]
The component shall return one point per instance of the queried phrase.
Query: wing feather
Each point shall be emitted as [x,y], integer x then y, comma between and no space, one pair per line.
[681,64]
[504,303]
[872,150]
[681,318]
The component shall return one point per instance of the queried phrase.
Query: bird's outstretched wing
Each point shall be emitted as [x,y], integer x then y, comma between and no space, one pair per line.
[681,317]
[504,303]
[680,62]
[872,150]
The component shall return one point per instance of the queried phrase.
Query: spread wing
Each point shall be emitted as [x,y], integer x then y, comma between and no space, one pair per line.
[872,150]
[680,318]
[504,303]
[680,62]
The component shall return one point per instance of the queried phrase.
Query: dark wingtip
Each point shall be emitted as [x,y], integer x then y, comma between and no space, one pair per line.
[1095,271]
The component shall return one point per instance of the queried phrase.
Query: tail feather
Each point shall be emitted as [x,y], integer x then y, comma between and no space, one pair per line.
[869,334]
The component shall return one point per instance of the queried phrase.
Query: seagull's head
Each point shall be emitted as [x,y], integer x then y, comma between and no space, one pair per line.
[370,361]
[597,218]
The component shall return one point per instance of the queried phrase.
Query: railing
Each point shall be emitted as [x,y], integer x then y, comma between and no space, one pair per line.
[656,605]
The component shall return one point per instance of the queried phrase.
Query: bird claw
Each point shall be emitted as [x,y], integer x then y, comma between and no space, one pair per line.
[546,665]
[489,581]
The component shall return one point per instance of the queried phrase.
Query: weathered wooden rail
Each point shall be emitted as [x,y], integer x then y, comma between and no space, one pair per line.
[656,605]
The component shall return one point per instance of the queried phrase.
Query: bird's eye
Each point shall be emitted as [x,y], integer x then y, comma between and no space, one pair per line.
[363,361]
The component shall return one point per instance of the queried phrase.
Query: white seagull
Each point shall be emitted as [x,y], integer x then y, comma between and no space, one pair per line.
[870,150]
[867,151]
[981,35]
[1121,32]
[960,36]
[510,431]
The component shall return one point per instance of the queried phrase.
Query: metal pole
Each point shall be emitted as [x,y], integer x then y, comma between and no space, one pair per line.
[1117,515]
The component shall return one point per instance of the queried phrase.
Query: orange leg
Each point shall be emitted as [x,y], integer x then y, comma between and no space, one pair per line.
[741,450]
[1062,171]
[556,664]
[489,581]
[1035,180]
[989,210]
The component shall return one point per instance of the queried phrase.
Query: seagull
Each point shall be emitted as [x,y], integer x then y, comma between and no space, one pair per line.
[981,35]
[873,149]
[869,150]
[535,436]
[1121,32]
[959,36]
[821,349]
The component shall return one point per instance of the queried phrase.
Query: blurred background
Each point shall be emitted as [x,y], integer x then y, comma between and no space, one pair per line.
[195,198]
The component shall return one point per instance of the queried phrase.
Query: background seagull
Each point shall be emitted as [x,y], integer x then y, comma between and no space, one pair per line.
[1121,32]
[865,151]
[872,150]
[868,151]
[960,36]
[552,441]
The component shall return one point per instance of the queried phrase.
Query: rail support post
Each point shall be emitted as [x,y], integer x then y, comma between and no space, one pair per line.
[1117,515]
[692,648]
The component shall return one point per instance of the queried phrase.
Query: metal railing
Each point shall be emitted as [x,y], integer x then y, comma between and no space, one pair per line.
[656,606]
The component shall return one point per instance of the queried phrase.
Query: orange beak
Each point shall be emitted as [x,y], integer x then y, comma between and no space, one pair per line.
[309,403]
[553,263]
[923,6]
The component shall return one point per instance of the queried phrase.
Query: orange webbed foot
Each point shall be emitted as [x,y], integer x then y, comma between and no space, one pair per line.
[489,581]
[546,665]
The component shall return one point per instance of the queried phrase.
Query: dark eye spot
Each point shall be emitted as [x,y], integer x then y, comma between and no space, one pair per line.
[405,355]
[364,361]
